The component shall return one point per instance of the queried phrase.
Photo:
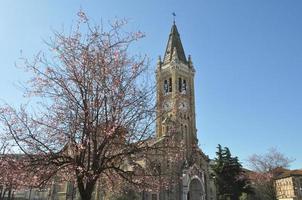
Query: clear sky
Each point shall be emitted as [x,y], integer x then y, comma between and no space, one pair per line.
[247,55]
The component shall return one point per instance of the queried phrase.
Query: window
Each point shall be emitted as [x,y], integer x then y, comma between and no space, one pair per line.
[170,84]
[154,197]
[179,84]
[184,85]
[166,89]
[167,86]
[182,130]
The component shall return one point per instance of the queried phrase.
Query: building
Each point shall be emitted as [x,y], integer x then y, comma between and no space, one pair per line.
[190,175]
[188,178]
[289,185]
[176,117]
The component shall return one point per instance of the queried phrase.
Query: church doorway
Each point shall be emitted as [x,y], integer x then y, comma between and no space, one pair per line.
[195,190]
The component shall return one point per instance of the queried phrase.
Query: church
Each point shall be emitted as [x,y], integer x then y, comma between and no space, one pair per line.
[176,116]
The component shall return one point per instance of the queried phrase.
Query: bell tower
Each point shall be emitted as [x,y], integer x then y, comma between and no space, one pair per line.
[175,92]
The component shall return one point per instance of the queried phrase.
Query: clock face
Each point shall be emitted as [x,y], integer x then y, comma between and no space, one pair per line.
[167,105]
[183,105]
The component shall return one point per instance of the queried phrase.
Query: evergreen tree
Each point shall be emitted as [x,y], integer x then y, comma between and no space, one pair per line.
[230,177]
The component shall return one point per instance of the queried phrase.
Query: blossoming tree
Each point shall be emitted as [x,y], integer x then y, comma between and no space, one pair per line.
[93,111]
[266,168]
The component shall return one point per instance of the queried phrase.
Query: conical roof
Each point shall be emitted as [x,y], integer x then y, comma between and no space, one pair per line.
[174,43]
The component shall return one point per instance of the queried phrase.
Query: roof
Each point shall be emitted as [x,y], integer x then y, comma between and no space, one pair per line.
[289,173]
[174,46]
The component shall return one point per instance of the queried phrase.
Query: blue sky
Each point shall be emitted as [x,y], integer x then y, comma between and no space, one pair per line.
[247,55]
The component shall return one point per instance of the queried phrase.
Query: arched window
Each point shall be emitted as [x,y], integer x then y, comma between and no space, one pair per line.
[184,85]
[179,84]
[170,84]
[166,89]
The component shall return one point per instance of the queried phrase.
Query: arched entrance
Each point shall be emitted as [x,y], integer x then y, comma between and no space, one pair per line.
[195,190]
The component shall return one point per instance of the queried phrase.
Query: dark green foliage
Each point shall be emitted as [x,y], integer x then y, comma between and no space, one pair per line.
[229,176]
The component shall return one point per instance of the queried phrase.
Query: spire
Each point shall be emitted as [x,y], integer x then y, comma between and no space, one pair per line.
[174,42]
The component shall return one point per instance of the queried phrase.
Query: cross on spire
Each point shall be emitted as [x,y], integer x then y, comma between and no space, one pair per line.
[174,15]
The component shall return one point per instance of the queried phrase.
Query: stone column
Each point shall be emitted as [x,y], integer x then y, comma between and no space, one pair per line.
[185,185]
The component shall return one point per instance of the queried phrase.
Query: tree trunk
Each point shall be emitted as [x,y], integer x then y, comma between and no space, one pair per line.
[86,192]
